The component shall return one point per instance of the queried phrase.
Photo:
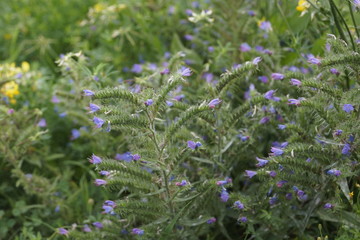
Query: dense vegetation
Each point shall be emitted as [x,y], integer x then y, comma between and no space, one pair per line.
[154,119]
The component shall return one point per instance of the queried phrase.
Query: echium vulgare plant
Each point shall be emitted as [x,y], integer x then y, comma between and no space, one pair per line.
[173,182]
[312,176]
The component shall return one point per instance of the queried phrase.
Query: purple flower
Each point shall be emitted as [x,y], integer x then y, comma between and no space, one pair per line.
[268,52]
[334,172]
[86,228]
[57,208]
[213,103]
[270,96]
[95,159]
[243,138]
[238,205]
[98,224]
[328,206]
[136,68]
[88,93]
[94,108]
[277,76]
[193,145]
[261,162]
[127,157]
[251,13]
[104,173]
[170,104]
[100,182]
[182,183]
[265,25]
[259,48]
[224,196]
[295,82]
[211,220]
[165,71]
[179,97]
[110,203]
[346,149]
[42,123]
[136,157]
[335,71]
[148,102]
[188,37]
[263,79]
[256,60]
[10,111]
[137,231]
[284,144]
[250,173]
[62,115]
[221,183]
[293,101]
[273,200]
[314,60]
[300,193]
[348,108]
[185,72]
[189,12]
[264,120]
[357,3]
[243,219]
[338,132]
[281,183]
[96,78]
[288,196]
[98,122]
[281,126]
[308,160]
[63,231]
[276,151]
[107,209]
[245,47]
[55,99]
[75,133]
[272,174]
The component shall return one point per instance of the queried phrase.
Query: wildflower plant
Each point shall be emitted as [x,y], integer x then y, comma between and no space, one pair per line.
[161,191]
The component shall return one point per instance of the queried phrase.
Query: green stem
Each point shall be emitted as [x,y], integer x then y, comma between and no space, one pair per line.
[353,19]
[346,26]
[333,12]
[160,153]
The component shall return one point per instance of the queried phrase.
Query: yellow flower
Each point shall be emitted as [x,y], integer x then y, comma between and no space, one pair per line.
[7,36]
[303,5]
[99,7]
[351,194]
[121,7]
[10,89]
[25,66]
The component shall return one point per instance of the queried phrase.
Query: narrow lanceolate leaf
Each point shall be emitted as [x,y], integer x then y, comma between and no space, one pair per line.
[240,111]
[128,121]
[228,77]
[117,94]
[187,115]
[341,60]
[323,87]
[171,84]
